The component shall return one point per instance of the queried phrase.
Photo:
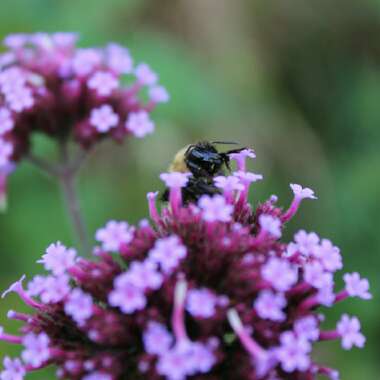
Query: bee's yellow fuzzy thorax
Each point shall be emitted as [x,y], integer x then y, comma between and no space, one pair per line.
[178,164]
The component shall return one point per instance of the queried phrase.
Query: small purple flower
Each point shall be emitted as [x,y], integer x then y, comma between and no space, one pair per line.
[103,82]
[97,376]
[144,275]
[271,225]
[15,41]
[349,330]
[6,150]
[145,75]
[307,328]
[293,352]
[326,295]
[79,306]
[315,275]
[85,61]
[13,369]
[36,286]
[118,59]
[328,255]
[175,179]
[104,118]
[168,252]
[139,124]
[158,94]
[241,157]
[58,258]
[247,177]
[114,234]
[269,305]
[36,350]
[19,98]
[202,358]
[126,296]
[215,209]
[157,339]
[201,303]
[228,183]
[306,242]
[184,360]
[280,274]
[356,286]
[55,289]
[6,120]
[301,192]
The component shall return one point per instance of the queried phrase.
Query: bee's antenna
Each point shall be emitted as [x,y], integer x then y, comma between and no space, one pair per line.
[225,142]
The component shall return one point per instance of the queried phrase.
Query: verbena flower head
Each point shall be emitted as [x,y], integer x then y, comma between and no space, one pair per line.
[205,291]
[51,86]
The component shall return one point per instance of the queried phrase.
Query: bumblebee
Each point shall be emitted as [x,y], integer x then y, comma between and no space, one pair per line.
[204,162]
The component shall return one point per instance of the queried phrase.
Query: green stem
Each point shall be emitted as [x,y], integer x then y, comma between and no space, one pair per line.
[66,175]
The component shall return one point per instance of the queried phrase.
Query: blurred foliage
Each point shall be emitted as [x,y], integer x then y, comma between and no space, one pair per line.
[297,80]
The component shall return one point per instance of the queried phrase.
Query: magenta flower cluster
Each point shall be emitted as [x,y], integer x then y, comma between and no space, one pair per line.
[49,85]
[205,291]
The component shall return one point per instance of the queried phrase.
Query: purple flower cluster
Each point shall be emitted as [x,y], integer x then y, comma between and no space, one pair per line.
[49,85]
[207,291]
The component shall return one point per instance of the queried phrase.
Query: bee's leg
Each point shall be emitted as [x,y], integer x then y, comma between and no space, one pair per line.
[196,170]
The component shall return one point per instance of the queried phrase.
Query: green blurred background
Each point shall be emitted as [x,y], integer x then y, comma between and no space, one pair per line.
[297,80]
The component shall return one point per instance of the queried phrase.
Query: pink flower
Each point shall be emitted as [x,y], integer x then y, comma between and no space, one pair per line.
[126,296]
[279,273]
[118,59]
[79,306]
[139,124]
[97,376]
[12,79]
[114,234]
[326,295]
[58,258]
[64,39]
[145,75]
[215,209]
[306,242]
[16,40]
[13,369]
[293,352]
[247,177]
[175,179]
[36,350]
[158,94]
[157,339]
[356,286]
[271,225]
[55,289]
[104,118]
[328,255]
[185,360]
[6,150]
[143,275]
[168,252]
[85,61]
[349,330]
[269,305]
[201,303]
[19,98]
[6,120]
[307,328]
[315,275]
[229,183]
[36,286]
[301,192]
[103,82]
